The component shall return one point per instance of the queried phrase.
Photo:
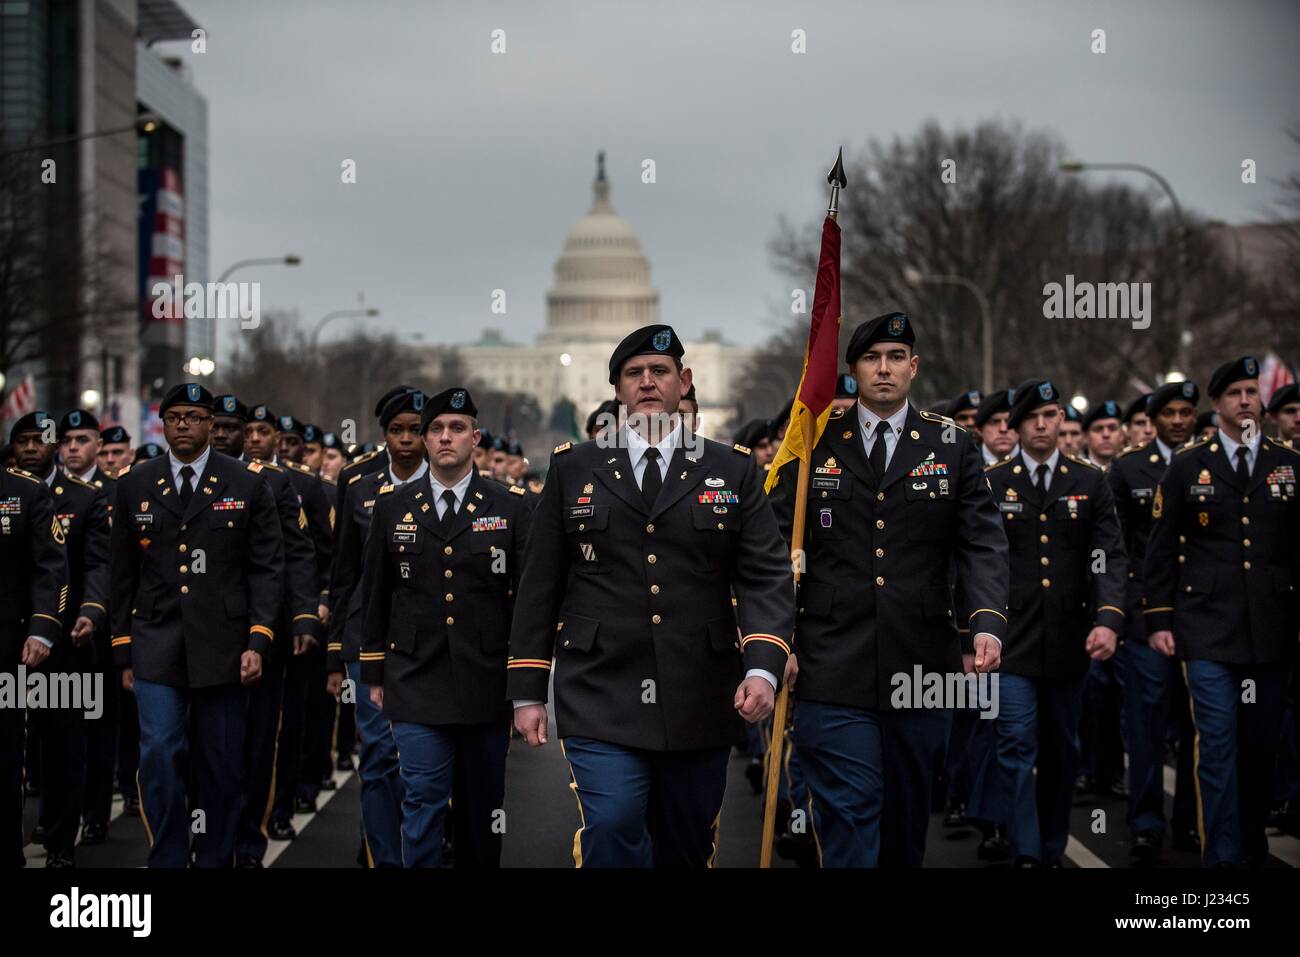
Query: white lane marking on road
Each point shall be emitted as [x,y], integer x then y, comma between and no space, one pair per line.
[300,821]
[1081,856]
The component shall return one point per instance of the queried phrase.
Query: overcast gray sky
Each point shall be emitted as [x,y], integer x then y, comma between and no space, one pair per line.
[471,166]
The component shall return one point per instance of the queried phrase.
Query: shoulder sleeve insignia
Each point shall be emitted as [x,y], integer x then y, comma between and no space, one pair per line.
[1158,506]
[385,489]
[331,518]
[562,448]
[517,490]
[741,449]
[302,518]
[56,529]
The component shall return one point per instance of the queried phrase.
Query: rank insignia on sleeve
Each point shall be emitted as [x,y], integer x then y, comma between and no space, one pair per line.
[1158,506]
[1203,518]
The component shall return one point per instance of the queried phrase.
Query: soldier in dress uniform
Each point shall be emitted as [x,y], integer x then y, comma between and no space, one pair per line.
[897,499]
[196,559]
[299,617]
[1068,573]
[1155,699]
[33,599]
[266,437]
[605,416]
[1138,429]
[1103,434]
[333,457]
[114,450]
[500,460]
[963,408]
[440,571]
[996,440]
[1207,424]
[1221,574]
[846,392]
[1070,440]
[371,460]
[483,454]
[312,447]
[689,407]
[377,764]
[635,550]
[82,512]
[79,444]
[1284,413]
[147,451]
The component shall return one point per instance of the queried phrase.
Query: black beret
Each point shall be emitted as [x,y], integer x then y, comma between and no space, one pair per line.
[941,408]
[31,422]
[1138,405]
[484,439]
[514,448]
[311,432]
[1187,391]
[187,393]
[231,407]
[1244,368]
[383,399]
[846,387]
[756,431]
[289,424]
[499,443]
[1029,396]
[657,339]
[150,450]
[892,326]
[1207,420]
[1072,414]
[456,400]
[1102,410]
[77,419]
[1284,396]
[330,440]
[262,413]
[412,401]
[115,433]
[992,404]
[608,407]
[969,399]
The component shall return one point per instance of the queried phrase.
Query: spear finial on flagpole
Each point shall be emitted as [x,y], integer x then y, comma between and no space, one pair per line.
[838,181]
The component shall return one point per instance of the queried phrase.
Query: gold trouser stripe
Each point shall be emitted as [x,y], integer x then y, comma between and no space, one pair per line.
[275,764]
[1196,763]
[812,823]
[365,842]
[582,818]
[715,829]
[144,816]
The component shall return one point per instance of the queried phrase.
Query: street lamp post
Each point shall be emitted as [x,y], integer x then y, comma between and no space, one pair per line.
[144,123]
[914,277]
[291,259]
[330,317]
[1179,316]
[1241,262]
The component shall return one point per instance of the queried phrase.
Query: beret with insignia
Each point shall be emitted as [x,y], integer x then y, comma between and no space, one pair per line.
[1284,396]
[1184,391]
[115,433]
[1235,371]
[453,401]
[411,401]
[77,419]
[1102,410]
[1031,395]
[187,393]
[657,339]
[230,407]
[891,327]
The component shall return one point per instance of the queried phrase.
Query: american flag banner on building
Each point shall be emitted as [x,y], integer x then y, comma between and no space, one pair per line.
[20,401]
[1274,373]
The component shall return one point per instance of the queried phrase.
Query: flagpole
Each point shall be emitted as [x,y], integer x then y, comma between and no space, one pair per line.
[776,749]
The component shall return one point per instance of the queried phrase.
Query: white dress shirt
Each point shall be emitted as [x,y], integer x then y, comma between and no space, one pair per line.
[1230,447]
[868,419]
[637,448]
[1165,451]
[458,490]
[1032,465]
[991,459]
[198,465]
[396,482]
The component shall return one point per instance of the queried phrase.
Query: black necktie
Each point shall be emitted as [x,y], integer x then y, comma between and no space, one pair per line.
[877,456]
[1040,476]
[187,485]
[1243,469]
[651,481]
[449,512]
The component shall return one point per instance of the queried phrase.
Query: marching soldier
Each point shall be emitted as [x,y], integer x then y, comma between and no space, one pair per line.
[33,598]
[1284,413]
[196,558]
[1138,429]
[964,408]
[114,450]
[79,444]
[897,498]
[377,765]
[299,619]
[313,448]
[634,553]
[1103,434]
[266,435]
[605,417]
[483,454]
[1068,573]
[996,440]
[1221,573]
[441,568]
[374,459]
[82,512]
[1070,441]
[150,450]
[333,457]
[1154,696]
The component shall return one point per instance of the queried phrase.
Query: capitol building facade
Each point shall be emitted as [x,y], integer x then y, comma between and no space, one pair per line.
[602,292]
